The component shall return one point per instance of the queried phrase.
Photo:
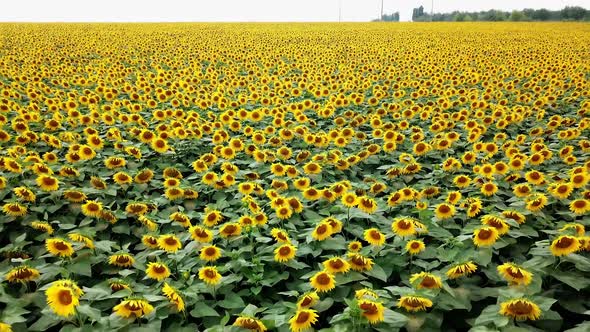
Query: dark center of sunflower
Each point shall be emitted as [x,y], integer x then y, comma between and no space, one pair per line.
[24,273]
[229,229]
[444,209]
[302,317]
[170,241]
[132,306]
[489,187]
[159,269]
[323,279]
[375,235]
[484,234]
[92,207]
[65,297]
[562,189]
[369,308]
[48,181]
[520,308]
[564,242]
[122,259]
[413,302]
[515,273]
[357,260]
[402,224]
[61,246]
[210,274]
[428,282]
[580,204]
[284,251]
[415,245]
[322,229]
[336,264]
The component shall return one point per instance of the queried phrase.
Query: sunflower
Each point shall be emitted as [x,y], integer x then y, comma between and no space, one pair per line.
[42,226]
[284,212]
[485,236]
[201,234]
[121,260]
[230,229]
[25,194]
[403,227]
[62,299]
[489,188]
[76,237]
[210,253]
[74,196]
[209,275]
[355,246]
[303,319]
[374,237]
[425,280]
[322,281]
[365,293]
[174,193]
[371,310]
[92,209]
[14,209]
[322,231]
[336,265]
[349,200]
[118,285]
[249,323]
[454,197]
[522,190]
[520,309]
[414,303]
[462,181]
[536,202]
[47,183]
[280,235]
[22,274]
[444,211]
[515,274]
[160,145]
[496,222]
[367,204]
[4,327]
[415,247]
[359,262]
[461,269]
[285,253]
[562,191]
[133,308]
[579,229]
[564,245]
[144,176]
[169,243]
[580,206]
[158,271]
[174,297]
[307,300]
[212,218]
[514,215]
[59,247]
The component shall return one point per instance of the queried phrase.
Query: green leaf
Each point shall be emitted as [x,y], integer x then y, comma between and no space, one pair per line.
[377,272]
[92,313]
[232,301]
[572,279]
[203,310]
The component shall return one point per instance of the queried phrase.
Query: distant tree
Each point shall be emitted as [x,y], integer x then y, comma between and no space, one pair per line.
[391,17]
[568,14]
[573,13]
[517,16]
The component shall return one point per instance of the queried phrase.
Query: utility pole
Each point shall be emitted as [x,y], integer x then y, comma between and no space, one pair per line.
[381,17]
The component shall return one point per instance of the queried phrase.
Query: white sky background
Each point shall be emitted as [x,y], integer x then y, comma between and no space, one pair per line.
[244,10]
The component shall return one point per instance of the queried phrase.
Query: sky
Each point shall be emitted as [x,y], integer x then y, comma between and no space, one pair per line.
[245,10]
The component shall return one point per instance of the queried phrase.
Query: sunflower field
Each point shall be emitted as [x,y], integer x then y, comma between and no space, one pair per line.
[295,177]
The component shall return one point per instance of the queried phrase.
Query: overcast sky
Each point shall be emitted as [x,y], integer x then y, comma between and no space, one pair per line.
[245,10]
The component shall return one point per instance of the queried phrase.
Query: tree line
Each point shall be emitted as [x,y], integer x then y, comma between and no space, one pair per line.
[569,13]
